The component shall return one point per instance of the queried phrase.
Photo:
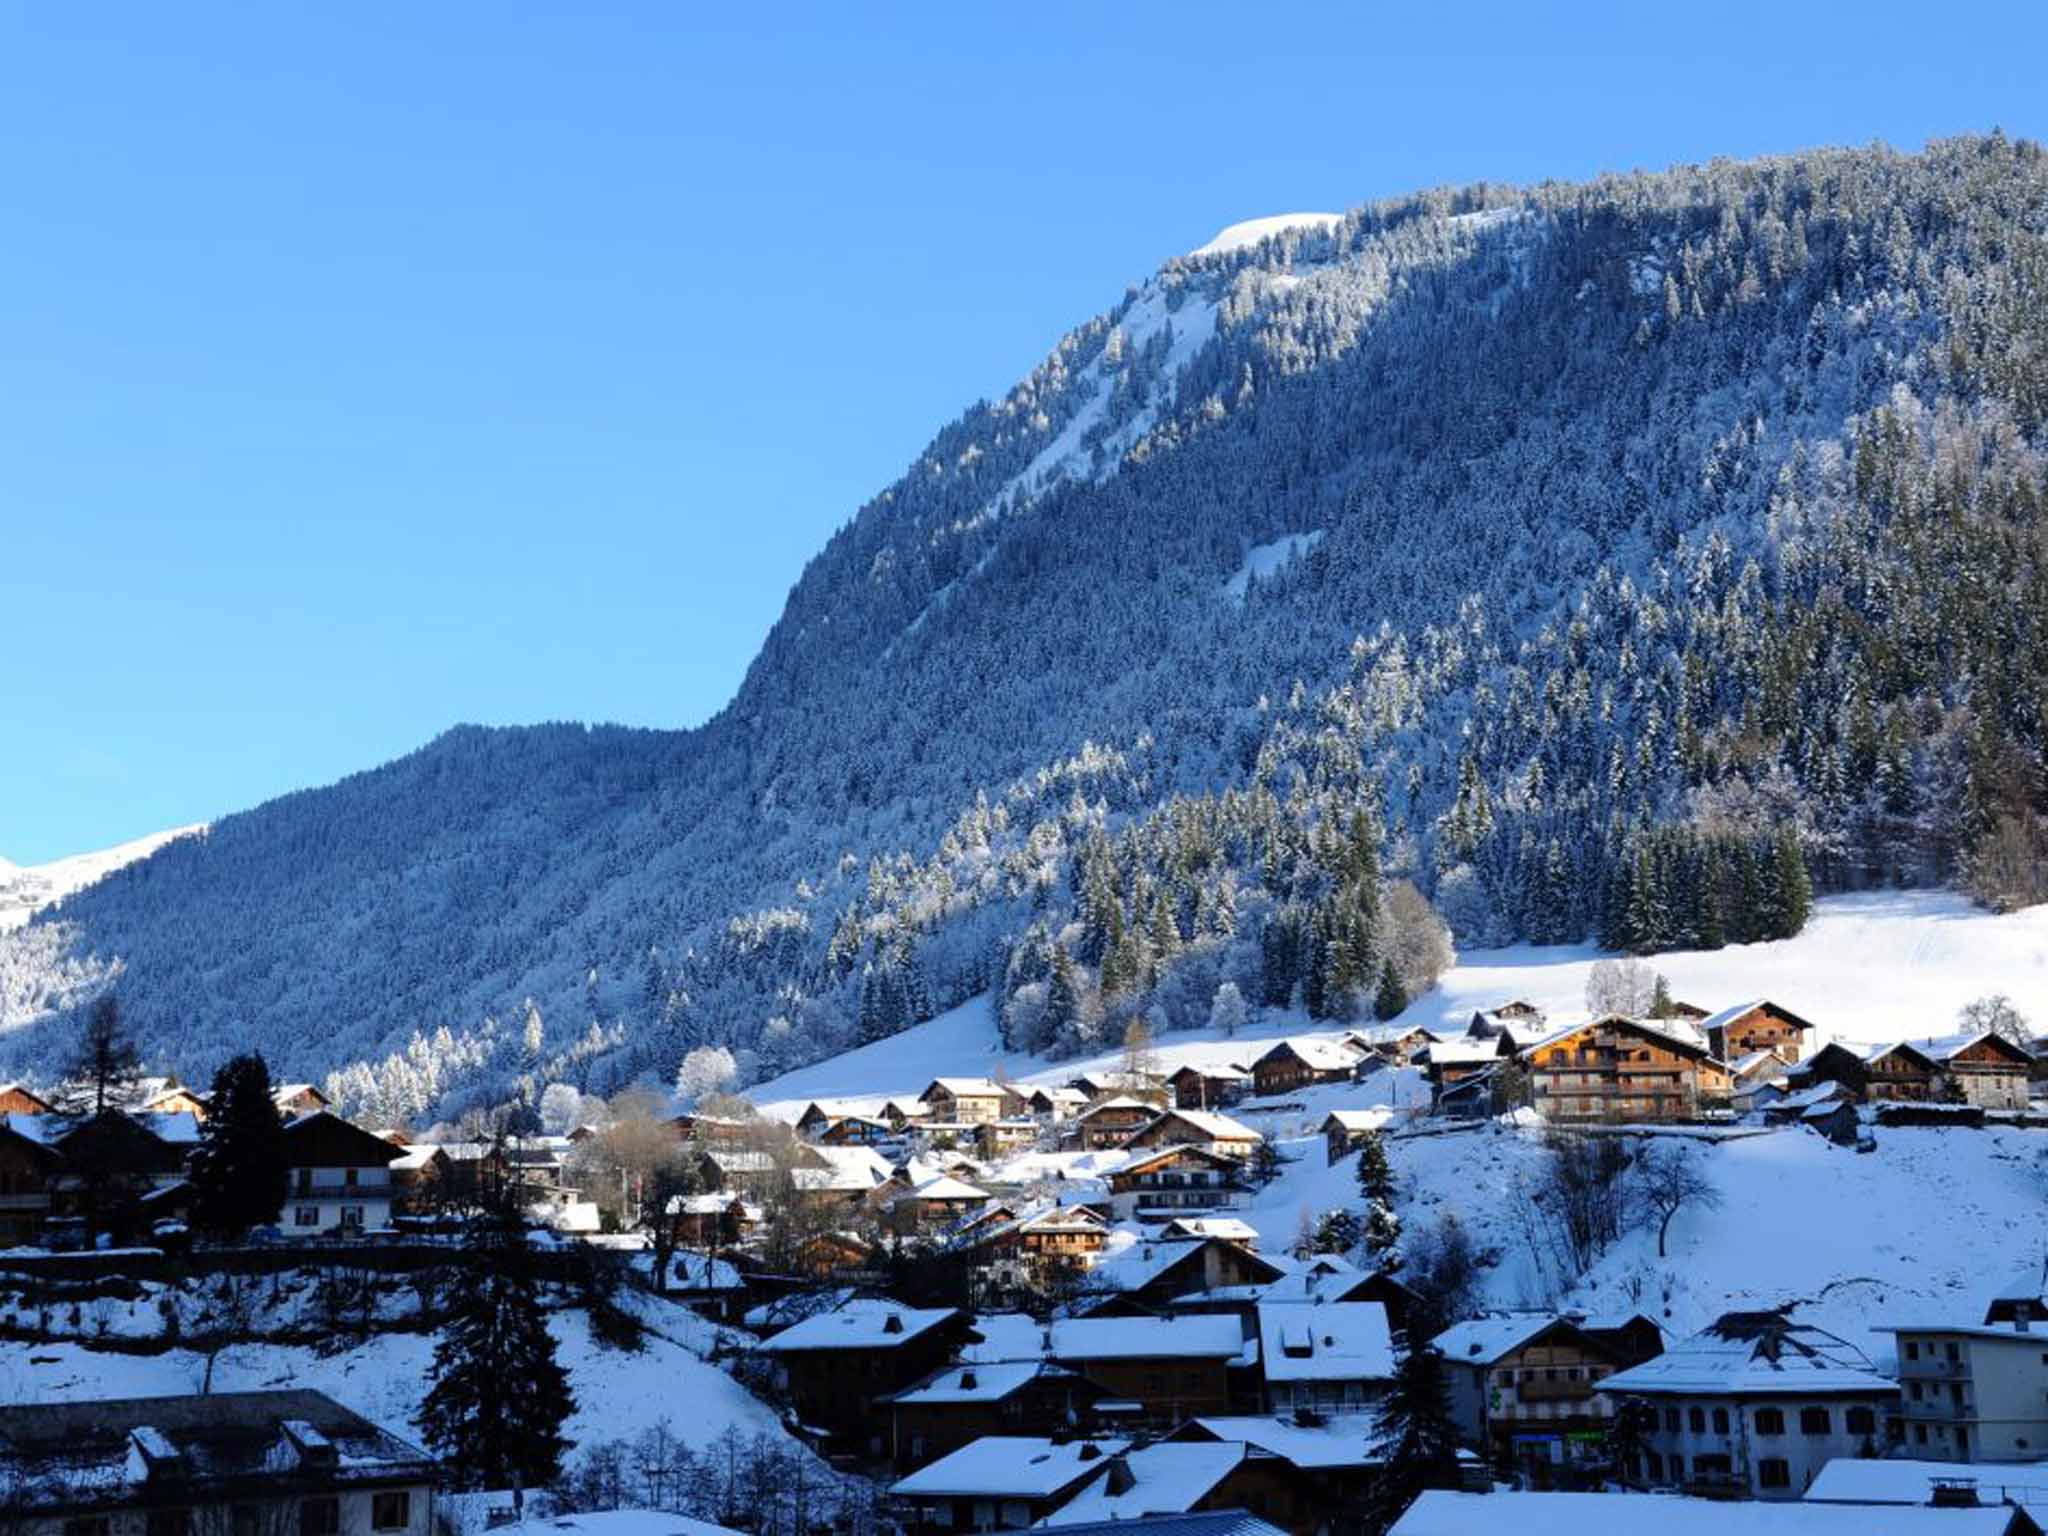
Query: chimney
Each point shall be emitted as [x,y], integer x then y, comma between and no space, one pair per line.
[967,1381]
[1089,1451]
[893,1323]
[1953,1493]
[1120,1478]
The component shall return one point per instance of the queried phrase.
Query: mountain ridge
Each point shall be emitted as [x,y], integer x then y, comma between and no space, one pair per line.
[1590,465]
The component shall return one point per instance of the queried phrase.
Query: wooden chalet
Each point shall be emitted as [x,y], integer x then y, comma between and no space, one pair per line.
[111,1162]
[838,1368]
[1149,1086]
[294,1099]
[1302,1062]
[995,1139]
[1035,1250]
[28,1167]
[1154,1274]
[1388,1045]
[1526,1386]
[1211,1087]
[970,1100]
[20,1099]
[1174,1367]
[1055,1103]
[1761,1025]
[825,1255]
[338,1176]
[1898,1073]
[1981,1068]
[1195,1128]
[1176,1181]
[856,1131]
[905,1113]
[962,1403]
[1111,1122]
[714,1130]
[1345,1130]
[165,1096]
[1623,1070]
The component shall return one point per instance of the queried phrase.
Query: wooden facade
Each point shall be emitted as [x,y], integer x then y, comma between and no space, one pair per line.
[1615,1069]
[1758,1026]
[1112,1122]
[1989,1071]
[1893,1074]
[1209,1087]
[1212,1133]
[18,1100]
[27,1168]
[1290,1066]
[1176,1181]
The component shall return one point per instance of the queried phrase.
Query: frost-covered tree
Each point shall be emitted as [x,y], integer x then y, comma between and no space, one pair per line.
[708,1070]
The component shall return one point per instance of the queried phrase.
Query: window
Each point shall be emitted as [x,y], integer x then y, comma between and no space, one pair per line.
[1914,1388]
[320,1517]
[1862,1421]
[1654,1465]
[1953,1352]
[1720,1421]
[391,1511]
[1913,1350]
[1670,1421]
[306,1216]
[1919,1434]
[1815,1421]
[1696,1420]
[348,1177]
[1773,1472]
[1770,1421]
[351,1215]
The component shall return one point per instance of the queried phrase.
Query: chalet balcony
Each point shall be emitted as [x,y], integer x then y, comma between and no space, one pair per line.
[38,1201]
[1555,1391]
[366,1189]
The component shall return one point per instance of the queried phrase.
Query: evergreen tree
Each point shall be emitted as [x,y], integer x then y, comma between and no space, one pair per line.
[1415,1438]
[498,1397]
[1375,1173]
[1392,997]
[238,1170]
[1337,1231]
[1062,997]
[1382,1235]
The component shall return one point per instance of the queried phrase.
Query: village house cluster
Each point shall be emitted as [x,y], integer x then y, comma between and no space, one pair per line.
[1029,1304]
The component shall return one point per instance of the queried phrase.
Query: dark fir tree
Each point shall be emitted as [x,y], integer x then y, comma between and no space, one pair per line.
[1392,997]
[1415,1438]
[1375,1173]
[238,1169]
[498,1397]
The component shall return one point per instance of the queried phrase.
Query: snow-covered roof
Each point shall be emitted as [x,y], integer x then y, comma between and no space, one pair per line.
[944,1187]
[1437,1513]
[1203,1522]
[615,1522]
[975,1382]
[1166,1479]
[1058,1095]
[1321,1055]
[1216,1071]
[1462,1052]
[1321,1447]
[1855,1480]
[1228,1228]
[1483,1340]
[967,1087]
[40,1129]
[1325,1277]
[846,1169]
[700,1272]
[1948,1047]
[1006,1336]
[864,1322]
[1121,1101]
[1360,1119]
[1808,1098]
[1730,1014]
[1193,1337]
[1137,1266]
[1214,1126]
[1325,1341]
[1010,1466]
[1751,1354]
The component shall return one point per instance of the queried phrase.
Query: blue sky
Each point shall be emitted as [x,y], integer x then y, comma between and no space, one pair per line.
[367,369]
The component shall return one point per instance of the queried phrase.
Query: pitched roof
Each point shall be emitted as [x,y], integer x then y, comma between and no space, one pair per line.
[1312,1448]
[1228,1228]
[77,1454]
[944,1187]
[1359,1119]
[1436,1513]
[615,1522]
[1325,1341]
[1208,1522]
[1755,1353]
[977,1383]
[1121,1101]
[863,1322]
[1195,1336]
[1011,1466]
[1485,1340]
[1169,1478]
[1729,1015]
[1462,1052]
[1212,1125]
[1948,1047]
[1318,1055]
[966,1087]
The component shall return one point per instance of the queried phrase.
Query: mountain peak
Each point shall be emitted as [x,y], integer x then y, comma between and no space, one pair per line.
[1252,231]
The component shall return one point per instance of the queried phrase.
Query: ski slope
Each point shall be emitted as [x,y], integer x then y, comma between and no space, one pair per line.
[26,889]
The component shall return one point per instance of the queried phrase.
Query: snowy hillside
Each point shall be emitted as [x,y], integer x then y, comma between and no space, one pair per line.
[1868,968]
[26,889]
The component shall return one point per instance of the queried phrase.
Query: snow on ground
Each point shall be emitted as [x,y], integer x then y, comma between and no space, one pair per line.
[1926,1222]
[1262,560]
[1251,231]
[25,890]
[1880,966]
[618,1393]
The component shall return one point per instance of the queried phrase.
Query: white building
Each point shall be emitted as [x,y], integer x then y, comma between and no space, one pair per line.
[1756,1404]
[338,1176]
[1329,1357]
[1974,1392]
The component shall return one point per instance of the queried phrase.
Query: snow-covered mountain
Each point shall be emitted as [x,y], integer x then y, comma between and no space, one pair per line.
[26,889]
[1608,559]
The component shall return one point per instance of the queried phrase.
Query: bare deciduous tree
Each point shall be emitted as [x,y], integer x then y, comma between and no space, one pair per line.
[1668,1179]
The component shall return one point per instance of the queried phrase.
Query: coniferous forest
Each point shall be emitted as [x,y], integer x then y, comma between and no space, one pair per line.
[1628,561]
